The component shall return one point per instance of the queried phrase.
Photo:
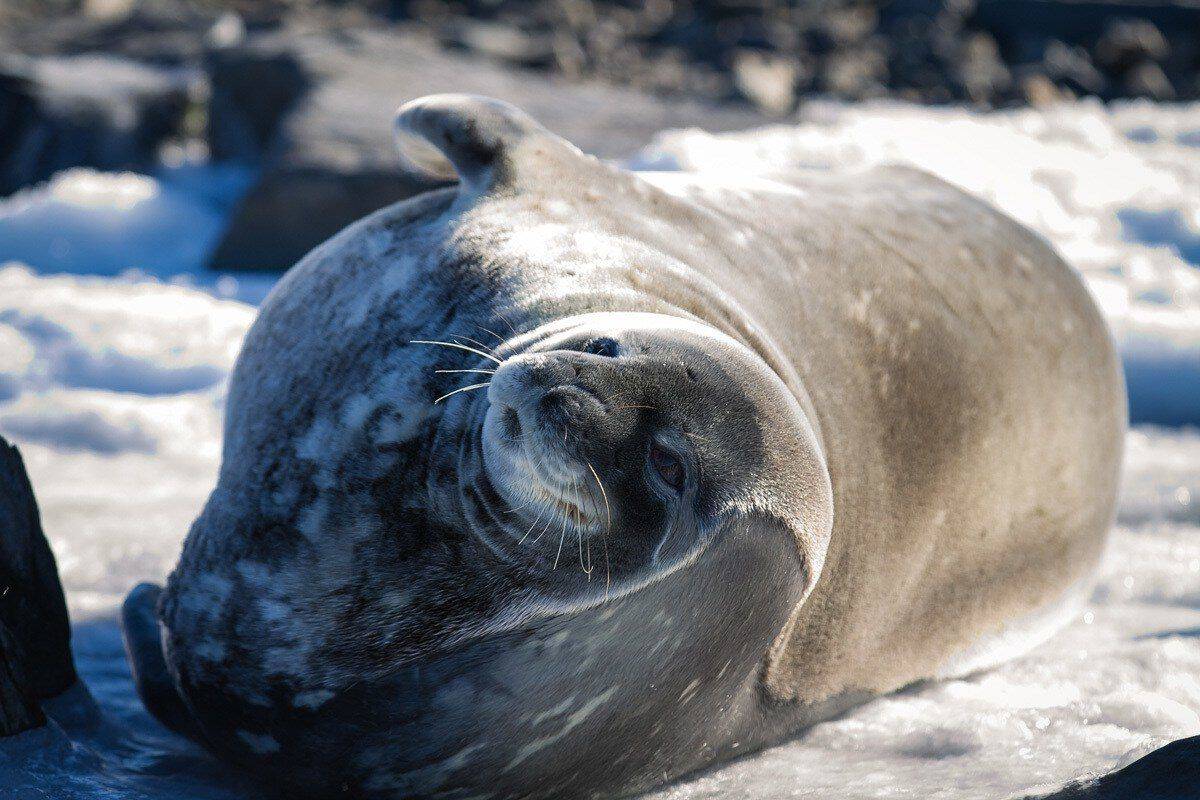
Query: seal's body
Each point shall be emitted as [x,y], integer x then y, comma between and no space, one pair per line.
[749,451]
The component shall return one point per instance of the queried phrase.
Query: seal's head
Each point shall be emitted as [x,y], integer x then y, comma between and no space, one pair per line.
[629,440]
[648,507]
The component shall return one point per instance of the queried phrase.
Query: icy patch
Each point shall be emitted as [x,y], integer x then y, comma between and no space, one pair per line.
[1116,189]
[114,391]
[87,222]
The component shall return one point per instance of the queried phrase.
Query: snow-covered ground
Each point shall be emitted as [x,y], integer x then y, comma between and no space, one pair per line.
[113,385]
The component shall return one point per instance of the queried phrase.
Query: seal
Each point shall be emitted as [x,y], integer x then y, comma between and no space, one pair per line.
[563,480]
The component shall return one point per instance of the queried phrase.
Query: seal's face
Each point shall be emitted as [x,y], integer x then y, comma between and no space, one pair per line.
[618,444]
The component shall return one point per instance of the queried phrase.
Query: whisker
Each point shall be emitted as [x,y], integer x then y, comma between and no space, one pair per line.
[607,531]
[604,494]
[459,346]
[579,538]
[499,338]
[546,527]
[607,566]
[474,341]
[446,371]
[561,536]
[515,509]
[504,319]
[534,525]
[463,389]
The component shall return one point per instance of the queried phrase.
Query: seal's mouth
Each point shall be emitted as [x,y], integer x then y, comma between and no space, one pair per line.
[532,469]
[531,441]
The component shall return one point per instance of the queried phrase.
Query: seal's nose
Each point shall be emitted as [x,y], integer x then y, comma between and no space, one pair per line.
[545,385]
[522,381]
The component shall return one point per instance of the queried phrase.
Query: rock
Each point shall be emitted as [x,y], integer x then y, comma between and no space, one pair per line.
[104,112]
[35,635]
[1071,68]
[980,70]
[333,159]
[1148,80]
[1128,42]
[855,74]
[1171,772]
[163,32]
[251,85]
[19,710]
[849,26]
[500,41]
[1040,91]
[767,80]
[107,9]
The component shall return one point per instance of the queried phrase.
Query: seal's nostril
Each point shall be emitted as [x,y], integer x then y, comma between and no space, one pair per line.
[512,422]
[574,370]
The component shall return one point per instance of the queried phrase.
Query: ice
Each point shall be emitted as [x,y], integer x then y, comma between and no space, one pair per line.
[83,221]
[116,393]
[113,385]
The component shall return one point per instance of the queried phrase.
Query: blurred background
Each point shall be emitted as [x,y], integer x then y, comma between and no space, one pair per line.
[300,94]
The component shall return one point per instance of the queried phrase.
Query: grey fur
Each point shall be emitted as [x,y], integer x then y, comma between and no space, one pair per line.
[906,420]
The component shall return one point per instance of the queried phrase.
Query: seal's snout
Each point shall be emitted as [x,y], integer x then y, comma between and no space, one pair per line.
[541,383]
[542,412]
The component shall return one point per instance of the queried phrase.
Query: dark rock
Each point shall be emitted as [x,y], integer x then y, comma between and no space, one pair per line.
[104,112]
[35,635]
[1148,80]
[1071,68]
[1128,42]
[334,161]
[1171,772]
[252,85]
[1080,22]
[19,711]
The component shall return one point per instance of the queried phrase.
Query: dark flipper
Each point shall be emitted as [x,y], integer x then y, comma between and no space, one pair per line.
[35,636]
[143,646]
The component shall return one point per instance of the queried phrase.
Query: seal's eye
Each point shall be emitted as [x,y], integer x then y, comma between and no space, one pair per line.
[602,346]
[668,466]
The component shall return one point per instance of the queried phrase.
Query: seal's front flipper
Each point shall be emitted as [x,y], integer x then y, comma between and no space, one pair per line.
[480,142]
[35,635]
[143,647]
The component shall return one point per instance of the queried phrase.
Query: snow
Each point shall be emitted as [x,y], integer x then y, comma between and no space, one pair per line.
[165,225]
[113,384]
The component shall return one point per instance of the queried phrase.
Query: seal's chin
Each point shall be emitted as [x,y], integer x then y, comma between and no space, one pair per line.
[534,472]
